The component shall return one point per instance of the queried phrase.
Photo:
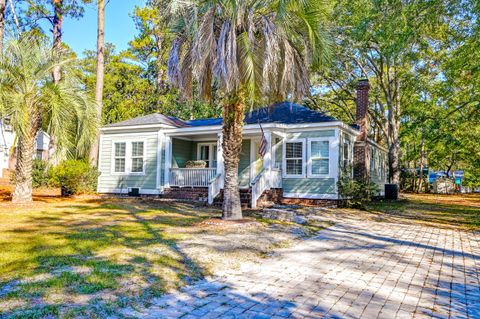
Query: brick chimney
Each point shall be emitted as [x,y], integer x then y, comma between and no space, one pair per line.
[361,150]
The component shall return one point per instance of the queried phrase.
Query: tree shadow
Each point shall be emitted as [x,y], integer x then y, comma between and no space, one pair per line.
[122,256]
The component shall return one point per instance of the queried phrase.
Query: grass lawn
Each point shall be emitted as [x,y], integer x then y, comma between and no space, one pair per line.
[84,258]
[436,210]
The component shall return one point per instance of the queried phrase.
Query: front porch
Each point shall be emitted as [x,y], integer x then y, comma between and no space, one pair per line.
[196,161]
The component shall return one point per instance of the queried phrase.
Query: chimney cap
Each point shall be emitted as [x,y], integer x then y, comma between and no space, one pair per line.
[362,83]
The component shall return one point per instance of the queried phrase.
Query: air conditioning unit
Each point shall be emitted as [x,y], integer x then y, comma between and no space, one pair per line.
[134,191]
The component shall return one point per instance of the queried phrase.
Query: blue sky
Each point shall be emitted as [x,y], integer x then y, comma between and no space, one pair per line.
[81,34]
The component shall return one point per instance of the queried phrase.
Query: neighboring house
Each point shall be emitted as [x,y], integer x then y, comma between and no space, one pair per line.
[306,153]
[7,146]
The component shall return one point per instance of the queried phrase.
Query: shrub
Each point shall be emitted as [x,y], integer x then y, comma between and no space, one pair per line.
[40,174]
[355,194]
[76,176]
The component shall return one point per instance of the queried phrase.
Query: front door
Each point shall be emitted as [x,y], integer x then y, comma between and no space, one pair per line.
[256,161]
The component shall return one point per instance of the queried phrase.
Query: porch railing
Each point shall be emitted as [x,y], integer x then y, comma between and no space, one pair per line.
[259,185]
[214,187]
[191,177]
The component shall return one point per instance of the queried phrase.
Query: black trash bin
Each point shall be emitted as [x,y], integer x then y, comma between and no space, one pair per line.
[391,191]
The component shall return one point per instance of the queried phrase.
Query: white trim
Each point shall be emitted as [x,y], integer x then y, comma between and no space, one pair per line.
[168,160]
[129,134]
[128,156]
[143,191]
[284,158]
[159,158]
[211,147]
[134,127]
[309,156]
[310,196]
[220,163]
[253,154]
[113,158]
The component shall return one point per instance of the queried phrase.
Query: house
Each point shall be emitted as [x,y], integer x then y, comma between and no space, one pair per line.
[7,147]
[306,153]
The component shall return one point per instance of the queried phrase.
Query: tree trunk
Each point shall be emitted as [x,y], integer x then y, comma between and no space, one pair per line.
[160,78]
[233,115]
[3,4]
[57,34]
[393,134]
[422,164]
[100,75]
[23,169]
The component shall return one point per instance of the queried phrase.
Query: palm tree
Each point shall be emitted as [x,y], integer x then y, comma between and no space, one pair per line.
[3,5]
[100,75]
[32,101]
[253,52]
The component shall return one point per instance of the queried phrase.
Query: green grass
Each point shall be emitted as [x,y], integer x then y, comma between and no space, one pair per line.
[440,210]
[77,258]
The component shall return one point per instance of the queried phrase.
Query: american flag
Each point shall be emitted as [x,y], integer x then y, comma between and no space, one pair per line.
[262,150]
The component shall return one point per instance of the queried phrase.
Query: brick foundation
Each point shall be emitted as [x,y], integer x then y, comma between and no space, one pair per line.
[310,202]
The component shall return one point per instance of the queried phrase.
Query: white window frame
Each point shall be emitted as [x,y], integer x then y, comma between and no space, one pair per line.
[114,157]
[309,156]
[211,152]
[143,157]
[128,156]
[284,158]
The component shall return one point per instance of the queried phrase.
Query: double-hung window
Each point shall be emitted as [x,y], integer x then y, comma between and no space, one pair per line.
[137,157]
[120,150]
[294,158]
[208,152]
[319,157]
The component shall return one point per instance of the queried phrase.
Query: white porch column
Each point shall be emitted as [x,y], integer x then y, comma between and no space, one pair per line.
[168,160]
[220,164]
[159,159]
[267,159]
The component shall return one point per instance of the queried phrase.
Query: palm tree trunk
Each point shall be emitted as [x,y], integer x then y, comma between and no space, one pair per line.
[233,115]
[23,169]
[57,72]
[3,4]
[100,76]
[57,35]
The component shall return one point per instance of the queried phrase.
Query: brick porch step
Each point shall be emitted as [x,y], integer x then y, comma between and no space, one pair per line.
[188,193]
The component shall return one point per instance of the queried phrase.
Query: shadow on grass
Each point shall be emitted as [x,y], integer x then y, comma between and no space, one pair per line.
[434,212]
[117,255]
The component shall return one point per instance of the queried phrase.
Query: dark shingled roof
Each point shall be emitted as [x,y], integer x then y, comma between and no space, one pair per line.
[155,118]
[284,112]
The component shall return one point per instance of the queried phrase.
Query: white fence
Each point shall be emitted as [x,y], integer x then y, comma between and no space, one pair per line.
[191,177]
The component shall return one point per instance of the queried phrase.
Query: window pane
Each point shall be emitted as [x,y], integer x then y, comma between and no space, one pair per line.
[120,149]
[319,166]
[319,149]
[137,165]
[294,150]
[119,165]
[137,148]
[204,152]
[294,167]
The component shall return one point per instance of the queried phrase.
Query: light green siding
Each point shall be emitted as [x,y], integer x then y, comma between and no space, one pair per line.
[309,186]
[181,152]
[109,181]
[244,164]
[322,133]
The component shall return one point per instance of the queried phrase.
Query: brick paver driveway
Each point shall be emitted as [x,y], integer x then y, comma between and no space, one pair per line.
[355,269]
